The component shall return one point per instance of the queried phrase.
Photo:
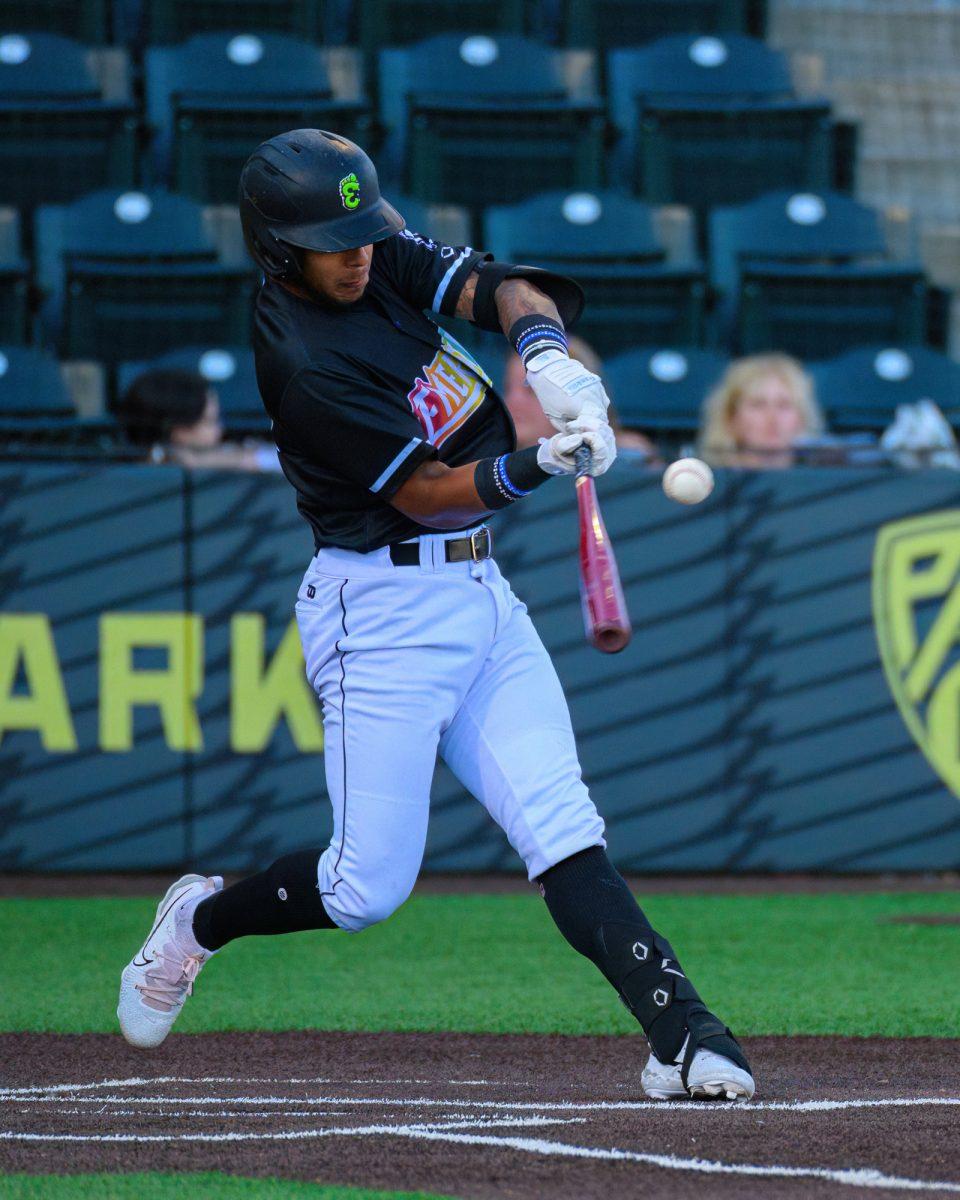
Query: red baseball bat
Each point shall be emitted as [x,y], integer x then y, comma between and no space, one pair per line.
[605,615]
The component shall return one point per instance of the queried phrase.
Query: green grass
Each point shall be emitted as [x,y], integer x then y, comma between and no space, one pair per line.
[767,964]
[173,1187]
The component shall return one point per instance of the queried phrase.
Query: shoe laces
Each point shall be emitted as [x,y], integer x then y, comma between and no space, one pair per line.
[170,979]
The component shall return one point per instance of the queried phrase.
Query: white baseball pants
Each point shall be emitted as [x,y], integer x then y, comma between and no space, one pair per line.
[409,661]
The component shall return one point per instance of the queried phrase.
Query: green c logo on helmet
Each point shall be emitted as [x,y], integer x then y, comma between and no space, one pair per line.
[350,191]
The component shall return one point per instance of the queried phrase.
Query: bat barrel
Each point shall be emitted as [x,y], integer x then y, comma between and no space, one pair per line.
[605,616]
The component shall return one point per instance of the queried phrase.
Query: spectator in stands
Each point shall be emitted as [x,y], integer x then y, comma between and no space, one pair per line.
[530,421]
[174,416]
[762,408]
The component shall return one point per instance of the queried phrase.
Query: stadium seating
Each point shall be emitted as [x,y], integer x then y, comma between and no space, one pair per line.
[808,274]
[478,119]
[229,369]
[60,136]
[607,242]
[133,274]
[213,99]
[862,388]
[168,21]
[31,385]
[662,389]
[708,121]
[400,22]
[14,280]
[603,24]
[86,21]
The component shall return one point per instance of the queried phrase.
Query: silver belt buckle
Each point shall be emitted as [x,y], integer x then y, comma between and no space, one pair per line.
[481,543]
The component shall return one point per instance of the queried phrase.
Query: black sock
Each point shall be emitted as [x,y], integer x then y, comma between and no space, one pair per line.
[285,898]
[595,911]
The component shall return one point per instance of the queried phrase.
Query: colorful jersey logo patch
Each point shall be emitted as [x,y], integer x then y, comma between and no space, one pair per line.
[446,395]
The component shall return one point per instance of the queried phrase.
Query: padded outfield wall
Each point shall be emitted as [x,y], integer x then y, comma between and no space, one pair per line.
[790,701]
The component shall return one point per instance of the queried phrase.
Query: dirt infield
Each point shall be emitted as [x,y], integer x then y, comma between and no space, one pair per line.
[485,1116]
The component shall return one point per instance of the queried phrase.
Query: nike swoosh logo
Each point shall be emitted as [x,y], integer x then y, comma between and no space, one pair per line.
[179,896]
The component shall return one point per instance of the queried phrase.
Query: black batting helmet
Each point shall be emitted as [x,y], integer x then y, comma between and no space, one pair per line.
[313,190]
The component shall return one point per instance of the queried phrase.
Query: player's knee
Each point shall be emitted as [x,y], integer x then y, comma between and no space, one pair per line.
[356,910]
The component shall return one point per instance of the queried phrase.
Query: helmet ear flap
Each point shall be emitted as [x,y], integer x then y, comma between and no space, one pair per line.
[277,259]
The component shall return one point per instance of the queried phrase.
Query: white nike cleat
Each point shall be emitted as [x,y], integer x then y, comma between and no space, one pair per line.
[155,984]
[711,1077]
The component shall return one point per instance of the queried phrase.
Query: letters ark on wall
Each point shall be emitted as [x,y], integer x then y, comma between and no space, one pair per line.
[789,702]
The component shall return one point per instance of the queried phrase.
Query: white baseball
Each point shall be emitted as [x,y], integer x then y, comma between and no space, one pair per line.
[688,481]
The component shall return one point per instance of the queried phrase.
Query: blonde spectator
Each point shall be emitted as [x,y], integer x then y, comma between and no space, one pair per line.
[529,419]
[762,407]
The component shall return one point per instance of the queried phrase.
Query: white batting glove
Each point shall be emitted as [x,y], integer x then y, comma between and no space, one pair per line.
[556,454]
[566,389]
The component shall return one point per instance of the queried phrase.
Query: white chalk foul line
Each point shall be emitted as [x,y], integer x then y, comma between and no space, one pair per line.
[673,1106]
[853,1177]
[136,1081]
[286,1135]
[141,1081]
[862,1177]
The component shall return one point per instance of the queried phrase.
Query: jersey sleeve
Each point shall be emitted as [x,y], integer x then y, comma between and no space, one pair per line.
[428,274]
[353,429]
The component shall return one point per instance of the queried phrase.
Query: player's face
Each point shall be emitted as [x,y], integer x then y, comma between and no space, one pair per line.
[340,277]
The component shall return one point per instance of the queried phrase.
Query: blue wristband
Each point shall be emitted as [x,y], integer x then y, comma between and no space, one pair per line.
[532,335]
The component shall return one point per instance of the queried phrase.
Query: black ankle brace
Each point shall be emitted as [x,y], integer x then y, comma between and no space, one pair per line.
[595,911]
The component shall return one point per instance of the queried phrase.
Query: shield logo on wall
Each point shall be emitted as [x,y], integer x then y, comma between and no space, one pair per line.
[916,611]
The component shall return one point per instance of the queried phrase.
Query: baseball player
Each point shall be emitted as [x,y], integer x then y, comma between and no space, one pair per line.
[399,448]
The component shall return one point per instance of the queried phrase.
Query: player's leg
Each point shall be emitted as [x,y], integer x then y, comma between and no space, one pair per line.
[381,727]
[512,745]
[390,667]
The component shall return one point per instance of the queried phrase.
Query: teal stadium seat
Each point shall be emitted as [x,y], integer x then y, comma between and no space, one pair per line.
[862,388]
[809,273]
[708,120]
[399,22]
[212,100]
[132,274]
[14,281]
[32,386]
[607,242]
[170,21]
[663,389]
[229,369]
[481,120]
[605,24]
[59,136]
[36,411]
[86,21]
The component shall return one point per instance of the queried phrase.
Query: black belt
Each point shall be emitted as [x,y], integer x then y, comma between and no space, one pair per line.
[475,548]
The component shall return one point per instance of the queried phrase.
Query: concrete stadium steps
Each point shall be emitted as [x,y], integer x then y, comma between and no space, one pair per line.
[940,248]
[893,67]
[928,186]
[871,38]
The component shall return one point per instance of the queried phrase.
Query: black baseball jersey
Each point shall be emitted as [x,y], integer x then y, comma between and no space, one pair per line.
[361,395]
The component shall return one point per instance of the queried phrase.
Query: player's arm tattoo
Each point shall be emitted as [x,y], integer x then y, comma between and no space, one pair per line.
[464,307]
[514,298]
[517,298]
